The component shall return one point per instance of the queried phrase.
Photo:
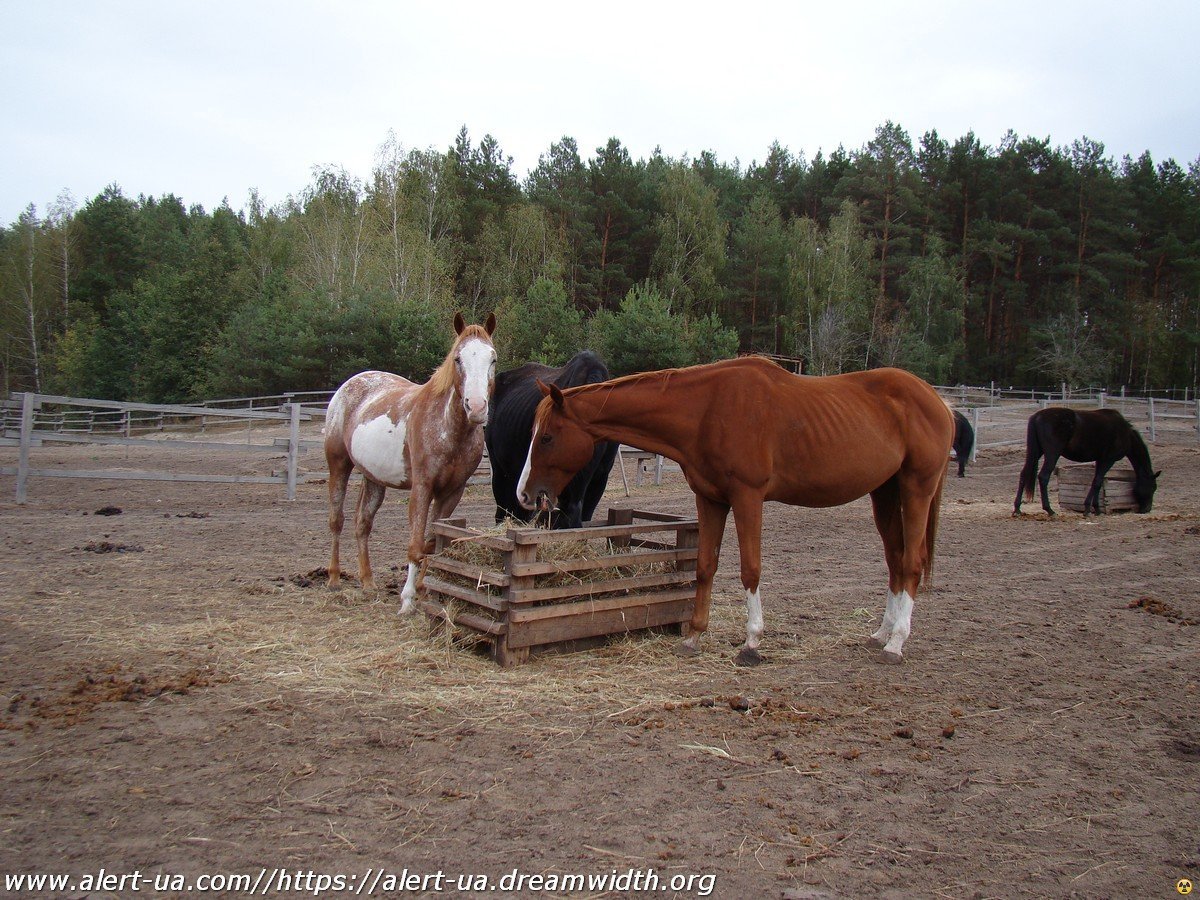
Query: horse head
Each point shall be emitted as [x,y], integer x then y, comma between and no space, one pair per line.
[1144,486]
[474,367]
[560,447]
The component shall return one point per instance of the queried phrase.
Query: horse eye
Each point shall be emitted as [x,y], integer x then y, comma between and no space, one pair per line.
[547,438]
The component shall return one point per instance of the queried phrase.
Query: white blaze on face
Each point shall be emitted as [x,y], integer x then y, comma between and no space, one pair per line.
[479,363]
[521,485]
[377,447]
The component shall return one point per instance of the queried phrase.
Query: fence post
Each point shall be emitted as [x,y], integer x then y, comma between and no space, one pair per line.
[1103,399]
[1151,420]
[26,439]
[293,448]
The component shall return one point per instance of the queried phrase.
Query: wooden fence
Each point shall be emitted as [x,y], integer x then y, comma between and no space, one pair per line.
[49,418]
[999,416]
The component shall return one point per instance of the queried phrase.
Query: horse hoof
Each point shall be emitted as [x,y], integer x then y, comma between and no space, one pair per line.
[890,657]
[748,657]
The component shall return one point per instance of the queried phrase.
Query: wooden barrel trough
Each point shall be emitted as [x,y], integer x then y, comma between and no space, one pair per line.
[1116,492]
[525,595]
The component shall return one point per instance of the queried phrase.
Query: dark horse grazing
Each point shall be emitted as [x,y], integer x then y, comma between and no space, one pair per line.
[745,431]
[1102,436]
[511,423]
[964,441]
[426,438]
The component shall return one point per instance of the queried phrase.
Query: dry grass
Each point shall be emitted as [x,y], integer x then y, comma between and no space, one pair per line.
[316,645]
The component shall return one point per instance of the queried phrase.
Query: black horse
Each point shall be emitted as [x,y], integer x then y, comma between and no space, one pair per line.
[1102,436]
[510,427]
[964,440]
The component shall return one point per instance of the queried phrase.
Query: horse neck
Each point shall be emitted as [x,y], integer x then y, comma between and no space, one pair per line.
[641,411]
[1139,456]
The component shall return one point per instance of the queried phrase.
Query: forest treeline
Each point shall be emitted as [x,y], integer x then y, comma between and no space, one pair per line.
[1021,263]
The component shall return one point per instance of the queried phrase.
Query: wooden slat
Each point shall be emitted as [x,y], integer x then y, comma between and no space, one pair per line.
[60,437]
[584,589]
[550,567]
[454,533]
[469,620]
[587,607]
[469,571]
[601,622]
[129,475]
[479,598]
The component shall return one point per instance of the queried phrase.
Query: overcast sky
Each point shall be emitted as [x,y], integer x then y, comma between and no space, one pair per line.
[208,100]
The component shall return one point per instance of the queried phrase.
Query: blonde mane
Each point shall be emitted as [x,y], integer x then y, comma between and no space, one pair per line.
[442,381]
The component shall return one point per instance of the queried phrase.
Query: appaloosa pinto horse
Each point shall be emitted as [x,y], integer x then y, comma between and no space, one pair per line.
[964,441]
[745,431]
[426,438]
[508,430]
[1102,436]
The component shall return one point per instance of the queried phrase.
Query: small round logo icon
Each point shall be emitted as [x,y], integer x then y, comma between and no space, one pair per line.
[1184,886]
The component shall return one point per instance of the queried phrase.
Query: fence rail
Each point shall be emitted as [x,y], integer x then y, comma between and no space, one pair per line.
[999,416]
[51,418]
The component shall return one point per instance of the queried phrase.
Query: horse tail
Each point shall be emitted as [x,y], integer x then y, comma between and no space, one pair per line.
[1033,452]
[931,529]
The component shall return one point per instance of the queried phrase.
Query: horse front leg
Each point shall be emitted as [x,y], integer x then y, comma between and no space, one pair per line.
[747,518]
[1091,503]
[419,501]
[711,516]
[369,500]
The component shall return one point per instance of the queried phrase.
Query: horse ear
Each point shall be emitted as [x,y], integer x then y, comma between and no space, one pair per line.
[552,391]
[1156,474]
[490,325]
[459,323]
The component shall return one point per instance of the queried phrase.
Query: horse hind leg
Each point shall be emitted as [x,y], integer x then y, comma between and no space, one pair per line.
[369,500]
[885,507]
[339,477]
[1044,481]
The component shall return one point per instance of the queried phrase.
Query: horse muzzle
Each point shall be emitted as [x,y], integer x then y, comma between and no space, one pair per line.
[476,410]
[542,502]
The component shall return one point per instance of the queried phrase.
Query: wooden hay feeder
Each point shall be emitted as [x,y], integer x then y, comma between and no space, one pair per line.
[523,596]
[1116,493]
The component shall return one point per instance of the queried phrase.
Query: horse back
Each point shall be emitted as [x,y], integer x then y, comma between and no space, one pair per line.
[832,439]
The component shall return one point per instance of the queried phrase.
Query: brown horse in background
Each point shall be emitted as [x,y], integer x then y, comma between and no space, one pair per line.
[426,438]
[745,431]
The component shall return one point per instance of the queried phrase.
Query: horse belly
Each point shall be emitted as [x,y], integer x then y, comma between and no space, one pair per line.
[377,447]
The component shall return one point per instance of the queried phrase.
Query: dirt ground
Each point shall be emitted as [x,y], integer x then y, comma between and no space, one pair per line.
[182,696]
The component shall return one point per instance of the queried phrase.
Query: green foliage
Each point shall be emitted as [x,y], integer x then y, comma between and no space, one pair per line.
[956,259]
[644,334]
[546,328]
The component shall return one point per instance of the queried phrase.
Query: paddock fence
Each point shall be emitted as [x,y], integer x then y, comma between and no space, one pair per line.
[273,424]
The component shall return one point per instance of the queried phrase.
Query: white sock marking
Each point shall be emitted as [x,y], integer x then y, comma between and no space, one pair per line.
[754,620]
[903,624]
[408,595]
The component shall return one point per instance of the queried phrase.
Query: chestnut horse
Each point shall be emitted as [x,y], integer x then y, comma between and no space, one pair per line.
[745,431]
[426,438]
